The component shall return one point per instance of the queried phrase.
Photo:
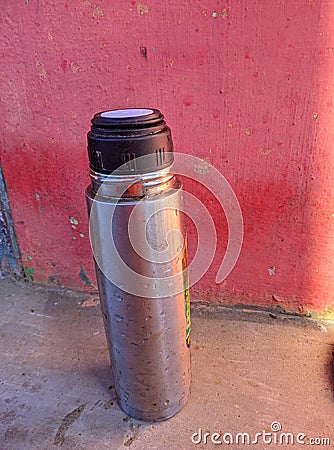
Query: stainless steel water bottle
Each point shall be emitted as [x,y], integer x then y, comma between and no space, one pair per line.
[139,245]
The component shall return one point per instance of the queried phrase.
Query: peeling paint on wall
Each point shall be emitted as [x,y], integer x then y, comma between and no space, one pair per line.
[142,9]
[98,12]
[41,69]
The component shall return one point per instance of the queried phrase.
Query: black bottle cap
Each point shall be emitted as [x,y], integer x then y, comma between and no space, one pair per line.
[118,137]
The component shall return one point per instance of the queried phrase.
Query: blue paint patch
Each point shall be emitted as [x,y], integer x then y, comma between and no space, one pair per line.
[10,257]
[83,277]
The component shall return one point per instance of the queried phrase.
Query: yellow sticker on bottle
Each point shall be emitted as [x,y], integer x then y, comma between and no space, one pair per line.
[186,291]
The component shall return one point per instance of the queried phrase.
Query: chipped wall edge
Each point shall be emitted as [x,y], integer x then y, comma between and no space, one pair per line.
[10,255]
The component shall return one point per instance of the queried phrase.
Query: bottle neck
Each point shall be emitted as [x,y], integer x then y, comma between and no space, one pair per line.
[133,186]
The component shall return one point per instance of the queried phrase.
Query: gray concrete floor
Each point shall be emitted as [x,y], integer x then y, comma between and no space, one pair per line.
[249,369]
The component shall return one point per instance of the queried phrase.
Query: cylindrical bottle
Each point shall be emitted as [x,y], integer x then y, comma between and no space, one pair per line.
[139,247]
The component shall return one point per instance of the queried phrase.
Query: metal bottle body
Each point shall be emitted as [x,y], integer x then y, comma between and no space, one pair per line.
[146,334]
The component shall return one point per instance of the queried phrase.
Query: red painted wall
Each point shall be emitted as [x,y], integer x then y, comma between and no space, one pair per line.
[246,84]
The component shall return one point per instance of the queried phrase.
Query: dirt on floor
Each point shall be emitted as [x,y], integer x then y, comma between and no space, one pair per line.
[259,380]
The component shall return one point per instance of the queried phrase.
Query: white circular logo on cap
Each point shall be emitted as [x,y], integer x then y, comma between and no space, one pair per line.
[125,113]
